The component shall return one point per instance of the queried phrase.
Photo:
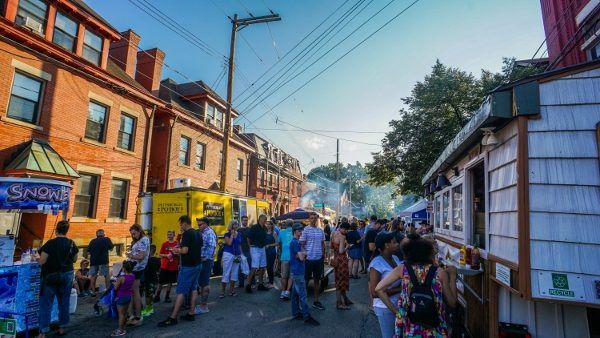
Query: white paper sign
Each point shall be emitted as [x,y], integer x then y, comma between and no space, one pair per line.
[503,274]
[561,285]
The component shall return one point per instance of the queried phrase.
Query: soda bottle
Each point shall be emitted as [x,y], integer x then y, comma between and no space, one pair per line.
[463,254]
[475,259]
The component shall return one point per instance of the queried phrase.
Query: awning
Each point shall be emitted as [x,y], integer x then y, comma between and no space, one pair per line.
[417,209]
[39,157]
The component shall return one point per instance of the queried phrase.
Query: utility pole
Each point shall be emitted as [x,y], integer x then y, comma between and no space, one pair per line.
[337,177]
[237,24]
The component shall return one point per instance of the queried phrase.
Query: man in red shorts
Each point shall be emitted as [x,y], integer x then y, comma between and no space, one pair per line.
[169,265]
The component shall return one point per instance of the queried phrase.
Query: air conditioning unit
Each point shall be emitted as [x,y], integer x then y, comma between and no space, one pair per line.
[34,25]
[181,183]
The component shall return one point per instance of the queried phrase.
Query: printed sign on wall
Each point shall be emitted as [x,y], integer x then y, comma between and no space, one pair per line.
[561,285]
[34,194]
[215,213]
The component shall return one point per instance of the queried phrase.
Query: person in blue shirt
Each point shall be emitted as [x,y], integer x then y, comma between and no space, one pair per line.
[285,238]
[300,310]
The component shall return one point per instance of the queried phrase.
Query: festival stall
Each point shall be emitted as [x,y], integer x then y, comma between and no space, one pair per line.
[517,194]
[20,281]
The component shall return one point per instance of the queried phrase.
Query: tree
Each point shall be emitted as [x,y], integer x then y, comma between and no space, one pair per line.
[436,110]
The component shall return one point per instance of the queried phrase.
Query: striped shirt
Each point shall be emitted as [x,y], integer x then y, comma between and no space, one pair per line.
[312,239]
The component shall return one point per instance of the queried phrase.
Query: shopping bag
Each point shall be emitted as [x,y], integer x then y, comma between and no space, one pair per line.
[244,265]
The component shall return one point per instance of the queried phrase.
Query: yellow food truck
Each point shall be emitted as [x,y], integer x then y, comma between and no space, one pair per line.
[220,208]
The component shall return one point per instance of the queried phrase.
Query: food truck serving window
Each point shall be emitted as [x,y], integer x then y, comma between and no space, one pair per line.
[449,210]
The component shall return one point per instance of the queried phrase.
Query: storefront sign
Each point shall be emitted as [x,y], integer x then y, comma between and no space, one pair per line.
[503,274]
[34,194]
[561,285]
[215,212]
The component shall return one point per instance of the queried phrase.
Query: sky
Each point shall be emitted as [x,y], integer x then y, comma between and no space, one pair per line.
[361,92]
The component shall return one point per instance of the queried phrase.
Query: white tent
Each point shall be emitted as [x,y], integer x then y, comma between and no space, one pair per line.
[420,205]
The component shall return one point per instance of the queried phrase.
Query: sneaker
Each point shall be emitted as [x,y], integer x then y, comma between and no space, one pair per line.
[262,287]
[118,333]
[188,317]
[167,300]
[168,322]
[282,295]
[148,311]
[312,321]
[318,305]
[248,288]
[201,309]
[297,317]
[136,321]
[156,299]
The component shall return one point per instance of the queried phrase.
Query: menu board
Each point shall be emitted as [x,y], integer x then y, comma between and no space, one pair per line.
[20,282]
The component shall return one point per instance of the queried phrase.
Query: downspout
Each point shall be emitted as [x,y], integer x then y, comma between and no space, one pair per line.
[248,159]
[168,164]
[146,156]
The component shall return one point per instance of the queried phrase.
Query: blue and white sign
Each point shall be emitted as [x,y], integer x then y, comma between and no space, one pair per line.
[38,195]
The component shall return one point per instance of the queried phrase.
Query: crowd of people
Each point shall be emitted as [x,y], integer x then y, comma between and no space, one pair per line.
[398,260]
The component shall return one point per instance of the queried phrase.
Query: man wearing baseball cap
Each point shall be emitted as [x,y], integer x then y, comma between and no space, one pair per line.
[300,310]
[207,254]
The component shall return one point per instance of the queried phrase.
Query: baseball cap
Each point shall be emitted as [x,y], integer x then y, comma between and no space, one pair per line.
[297,226]
[382,238]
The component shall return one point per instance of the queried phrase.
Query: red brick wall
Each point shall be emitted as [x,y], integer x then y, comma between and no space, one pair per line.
[63,119]
[200,178]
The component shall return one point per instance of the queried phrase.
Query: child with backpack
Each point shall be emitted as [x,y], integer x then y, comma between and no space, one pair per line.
[124,288]
[420,310]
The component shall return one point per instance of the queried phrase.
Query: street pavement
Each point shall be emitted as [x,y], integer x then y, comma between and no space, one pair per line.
[261,314]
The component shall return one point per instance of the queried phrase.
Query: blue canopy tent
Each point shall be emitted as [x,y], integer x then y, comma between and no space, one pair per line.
[417,211]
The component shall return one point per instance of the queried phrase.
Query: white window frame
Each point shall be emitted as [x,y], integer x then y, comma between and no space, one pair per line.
[450,232]
[468,196]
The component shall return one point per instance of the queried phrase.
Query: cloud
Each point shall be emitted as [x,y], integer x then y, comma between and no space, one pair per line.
[315,142]
[351,147]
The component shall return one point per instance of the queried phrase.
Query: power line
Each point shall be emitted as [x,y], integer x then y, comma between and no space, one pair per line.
[341,57]
[328,136]
[323,131]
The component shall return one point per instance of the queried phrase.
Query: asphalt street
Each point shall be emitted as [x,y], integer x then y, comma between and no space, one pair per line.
[261,314]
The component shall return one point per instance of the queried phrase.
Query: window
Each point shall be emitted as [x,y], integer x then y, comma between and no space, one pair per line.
[219,119]
[126,131]
[96,122]
[92,47]
[32,14]
[65,32]
[118,199]
[85,198]
[200,155]
[270,180]
[446,210]
[240,169]
[457,208]
[299,189]
[25,98]
[438,211]
[184,151]
[595,51]
[210,114]
[262,178]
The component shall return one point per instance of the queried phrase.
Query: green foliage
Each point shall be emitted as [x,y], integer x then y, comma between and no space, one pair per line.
[436,110]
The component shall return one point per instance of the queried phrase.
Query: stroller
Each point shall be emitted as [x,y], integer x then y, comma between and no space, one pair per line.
[108,297]
[108,300]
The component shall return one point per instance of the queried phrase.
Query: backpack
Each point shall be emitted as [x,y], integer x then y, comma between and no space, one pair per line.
[422,308]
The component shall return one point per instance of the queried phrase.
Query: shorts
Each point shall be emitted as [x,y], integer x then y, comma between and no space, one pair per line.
[355,252]
[285,269]
[138,274]
[149,288]
[167,277]
[123,301]
[101,270]
[259,257]
[187,280]
[230,267]
[314,269]
[205,272]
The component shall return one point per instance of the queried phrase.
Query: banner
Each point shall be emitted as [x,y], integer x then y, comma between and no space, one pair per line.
[47,196]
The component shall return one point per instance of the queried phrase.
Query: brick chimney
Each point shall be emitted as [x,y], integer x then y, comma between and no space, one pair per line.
[149,69]
[124,52]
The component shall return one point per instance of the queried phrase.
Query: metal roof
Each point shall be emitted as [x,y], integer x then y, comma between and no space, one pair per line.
[39,156]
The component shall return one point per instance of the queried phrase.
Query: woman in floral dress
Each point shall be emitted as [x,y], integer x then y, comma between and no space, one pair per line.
[419,253]
[342,278]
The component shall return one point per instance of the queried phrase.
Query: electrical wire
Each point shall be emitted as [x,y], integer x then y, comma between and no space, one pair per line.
[323,131]
[341,57]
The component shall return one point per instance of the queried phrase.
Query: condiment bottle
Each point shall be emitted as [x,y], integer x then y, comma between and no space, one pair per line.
[475,259]
[463,253]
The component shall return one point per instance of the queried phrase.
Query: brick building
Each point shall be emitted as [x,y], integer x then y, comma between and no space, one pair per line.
[572,31]
[187,140]
[70,113]
[273,175]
